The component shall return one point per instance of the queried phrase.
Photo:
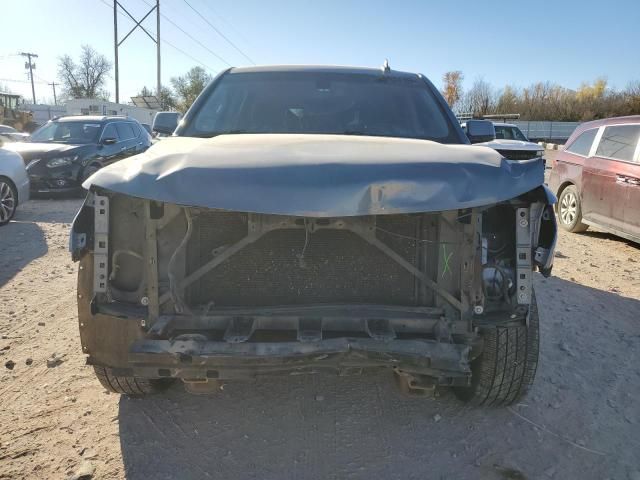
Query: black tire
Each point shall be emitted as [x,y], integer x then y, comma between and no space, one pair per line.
[131,386]
[88,171]
[570,210]
[8,200]
[505,370]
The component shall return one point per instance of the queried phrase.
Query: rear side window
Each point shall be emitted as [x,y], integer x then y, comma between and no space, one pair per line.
[582,144]
[110,132]
[619,142]
[136,129]
[125,131]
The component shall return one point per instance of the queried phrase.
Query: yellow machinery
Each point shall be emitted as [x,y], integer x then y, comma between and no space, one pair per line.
[11,115]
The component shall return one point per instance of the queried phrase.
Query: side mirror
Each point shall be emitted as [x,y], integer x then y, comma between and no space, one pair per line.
[165,122]
[480,131]
[109,141]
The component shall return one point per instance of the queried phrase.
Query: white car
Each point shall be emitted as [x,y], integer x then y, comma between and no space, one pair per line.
[511,143]
[10,134]
[14,184]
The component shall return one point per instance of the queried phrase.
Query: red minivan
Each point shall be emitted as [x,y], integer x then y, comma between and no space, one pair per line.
[597,178]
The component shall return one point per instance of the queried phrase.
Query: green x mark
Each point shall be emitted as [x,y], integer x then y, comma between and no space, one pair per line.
[446,258]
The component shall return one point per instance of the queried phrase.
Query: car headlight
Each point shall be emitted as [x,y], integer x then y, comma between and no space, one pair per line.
[540,153]
[61,161]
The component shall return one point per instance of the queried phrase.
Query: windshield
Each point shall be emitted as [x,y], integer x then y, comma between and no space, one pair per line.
[509,133]
[67,132]
[321,103]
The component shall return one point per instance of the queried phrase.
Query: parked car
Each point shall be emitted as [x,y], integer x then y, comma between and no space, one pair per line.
[311,218]
[511,143]
[597,178]
[163,122]
[14,184]
[147,128]
[66,151]
[10,134]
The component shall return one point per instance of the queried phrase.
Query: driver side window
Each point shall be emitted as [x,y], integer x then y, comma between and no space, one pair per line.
[110,132]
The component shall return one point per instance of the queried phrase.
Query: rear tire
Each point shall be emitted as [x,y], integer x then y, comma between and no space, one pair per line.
[505,370]
[131,386]
[570,210]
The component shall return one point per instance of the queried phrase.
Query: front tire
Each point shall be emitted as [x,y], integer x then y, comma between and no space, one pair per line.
[570,210]
[131,386]
[88,171]
[8,200]
[505,370]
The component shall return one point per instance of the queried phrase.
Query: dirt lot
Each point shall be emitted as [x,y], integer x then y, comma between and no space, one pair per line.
[582,419]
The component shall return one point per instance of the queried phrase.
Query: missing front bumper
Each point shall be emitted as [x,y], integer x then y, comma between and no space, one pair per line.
[196,357]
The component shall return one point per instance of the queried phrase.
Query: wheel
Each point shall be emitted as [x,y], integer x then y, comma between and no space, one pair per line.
[8,200]
[570,210]
[505,370]
[132,386]
[88,171]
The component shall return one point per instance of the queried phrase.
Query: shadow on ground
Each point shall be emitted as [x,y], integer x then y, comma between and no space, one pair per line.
[21,242]
[609,236]
[580,420]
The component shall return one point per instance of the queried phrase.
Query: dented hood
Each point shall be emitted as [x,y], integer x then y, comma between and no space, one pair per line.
[319,175]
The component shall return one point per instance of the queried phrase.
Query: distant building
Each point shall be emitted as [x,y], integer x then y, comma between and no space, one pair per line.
[41,113]
[87,106]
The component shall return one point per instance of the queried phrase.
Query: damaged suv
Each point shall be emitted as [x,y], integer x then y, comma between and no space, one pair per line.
[315,218]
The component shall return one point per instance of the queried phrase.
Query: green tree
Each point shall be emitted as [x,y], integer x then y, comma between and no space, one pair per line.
[167,99]
[189,86]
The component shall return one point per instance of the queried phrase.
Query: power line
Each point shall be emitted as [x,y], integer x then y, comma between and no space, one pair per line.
[169,43]
[224,20]
[13,80]
[219,32]
[192,37]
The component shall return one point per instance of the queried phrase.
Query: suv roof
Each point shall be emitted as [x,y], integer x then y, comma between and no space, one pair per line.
[612,120]
[598,123]
[324,69]
[92,118]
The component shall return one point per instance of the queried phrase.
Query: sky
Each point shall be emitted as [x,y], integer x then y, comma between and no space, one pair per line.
[508,42]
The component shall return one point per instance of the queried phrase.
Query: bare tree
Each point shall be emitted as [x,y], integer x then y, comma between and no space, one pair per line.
[86,78]
[452,86]
[508,101]
[480,99]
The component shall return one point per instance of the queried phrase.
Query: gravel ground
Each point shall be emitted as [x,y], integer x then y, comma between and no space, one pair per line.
[581,419]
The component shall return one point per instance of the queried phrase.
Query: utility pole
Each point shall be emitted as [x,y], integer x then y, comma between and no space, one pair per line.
[53,84]
[138,23]
[158,46]
[115,46]
[29,64]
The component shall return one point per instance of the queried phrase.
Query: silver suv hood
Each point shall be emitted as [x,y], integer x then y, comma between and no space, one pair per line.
[319,175]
